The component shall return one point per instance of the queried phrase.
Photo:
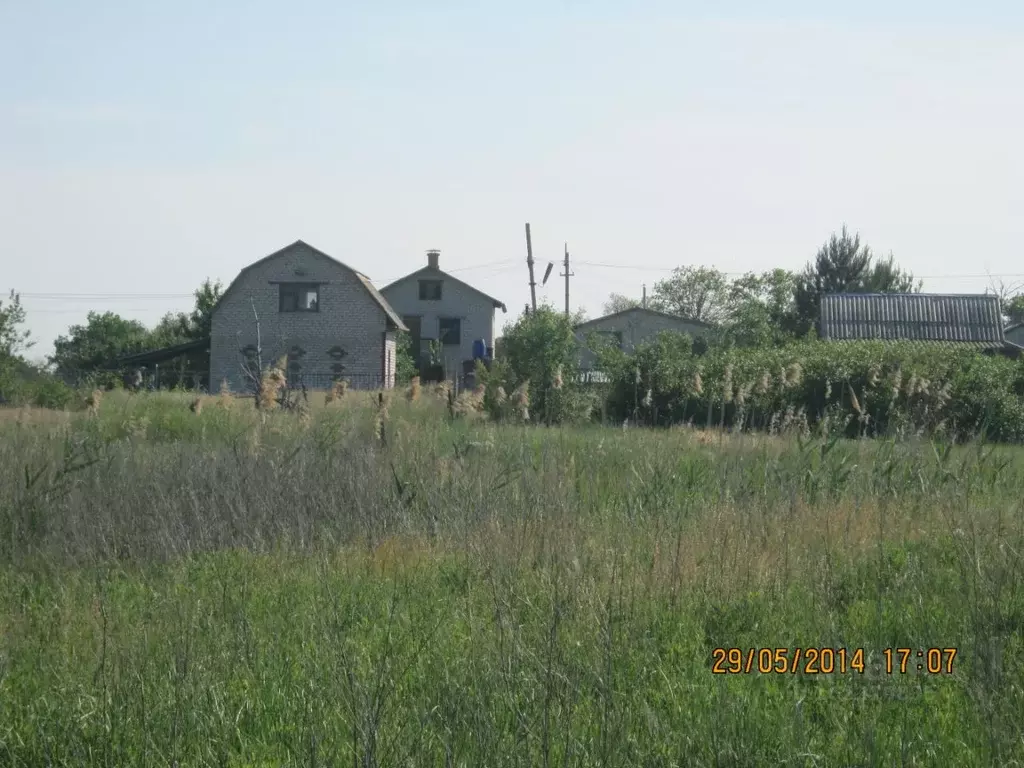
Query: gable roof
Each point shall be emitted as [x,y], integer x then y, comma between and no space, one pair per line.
[392,316]
[974,319]
[646,311]
[435,272]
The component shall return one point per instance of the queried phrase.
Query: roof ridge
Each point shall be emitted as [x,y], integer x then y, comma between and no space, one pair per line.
[363,279]
[437,270]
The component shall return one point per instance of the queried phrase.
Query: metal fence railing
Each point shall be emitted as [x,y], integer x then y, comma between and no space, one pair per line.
[197,380]
[151,380]
[593,377]
[327,380]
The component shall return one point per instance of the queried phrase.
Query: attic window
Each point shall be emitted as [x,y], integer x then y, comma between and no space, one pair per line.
[430,290]
[299,297]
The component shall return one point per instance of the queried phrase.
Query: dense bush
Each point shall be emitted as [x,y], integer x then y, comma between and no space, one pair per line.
[862,388]
[405,362]
[538,377]
[31,386]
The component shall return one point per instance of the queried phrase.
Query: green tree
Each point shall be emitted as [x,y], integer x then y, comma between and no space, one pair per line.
[206,298]
[760,309]
[540,349]
[14,340]
[617,302]
[844,265]
[172,329]
[181,327]
[1013,309]
[94,346]
[405,365]
[695,293]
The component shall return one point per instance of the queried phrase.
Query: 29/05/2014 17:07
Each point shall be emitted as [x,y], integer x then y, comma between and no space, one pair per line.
[827,661]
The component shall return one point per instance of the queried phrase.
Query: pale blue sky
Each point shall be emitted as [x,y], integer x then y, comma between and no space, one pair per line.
[144,148]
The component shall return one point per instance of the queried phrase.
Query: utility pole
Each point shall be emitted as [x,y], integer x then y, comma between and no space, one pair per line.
[567,274]
[529,263]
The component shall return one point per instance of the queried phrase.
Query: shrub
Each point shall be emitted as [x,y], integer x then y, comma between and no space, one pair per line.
[405,363]
[541,353]
[860,388]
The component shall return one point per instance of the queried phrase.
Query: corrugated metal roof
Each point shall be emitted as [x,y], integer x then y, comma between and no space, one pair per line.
[974,319]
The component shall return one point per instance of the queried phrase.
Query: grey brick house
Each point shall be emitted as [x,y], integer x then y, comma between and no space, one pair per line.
[630,328]
[325,316]
[434,305]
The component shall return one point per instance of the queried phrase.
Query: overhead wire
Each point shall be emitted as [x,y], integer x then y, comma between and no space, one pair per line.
[493,267]
[948,276]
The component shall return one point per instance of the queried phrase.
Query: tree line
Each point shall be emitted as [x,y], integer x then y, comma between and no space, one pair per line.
[762,368]
[90,350]
[779,305]
[766,309]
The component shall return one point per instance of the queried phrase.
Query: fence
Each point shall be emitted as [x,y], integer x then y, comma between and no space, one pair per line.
[196,380]
[167,378]
[326,380]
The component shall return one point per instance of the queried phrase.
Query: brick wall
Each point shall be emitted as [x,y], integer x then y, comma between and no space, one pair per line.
[349,320]
[476,313]
[636,327]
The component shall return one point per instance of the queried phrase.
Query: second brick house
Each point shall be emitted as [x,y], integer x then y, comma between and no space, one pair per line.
[437,307]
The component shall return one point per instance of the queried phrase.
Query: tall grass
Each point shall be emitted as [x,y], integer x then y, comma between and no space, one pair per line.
[225,586]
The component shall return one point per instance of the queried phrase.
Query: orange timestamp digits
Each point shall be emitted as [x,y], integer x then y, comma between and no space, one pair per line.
[782,661]
[934,661]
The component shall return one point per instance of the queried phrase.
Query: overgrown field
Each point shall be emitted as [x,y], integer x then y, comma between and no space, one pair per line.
[347,587]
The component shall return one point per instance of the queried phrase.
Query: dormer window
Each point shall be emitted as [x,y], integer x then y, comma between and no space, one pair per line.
[430,290]
[299,297]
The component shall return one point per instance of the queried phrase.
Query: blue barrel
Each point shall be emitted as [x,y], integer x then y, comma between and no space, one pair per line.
[479,349]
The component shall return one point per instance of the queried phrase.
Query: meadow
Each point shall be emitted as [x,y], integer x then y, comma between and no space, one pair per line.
[346,586]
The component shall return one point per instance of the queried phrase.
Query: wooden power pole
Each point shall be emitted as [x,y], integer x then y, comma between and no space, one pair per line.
[567,274]
[529,263]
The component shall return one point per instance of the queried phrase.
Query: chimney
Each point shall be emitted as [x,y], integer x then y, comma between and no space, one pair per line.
[644,304]
[432,258]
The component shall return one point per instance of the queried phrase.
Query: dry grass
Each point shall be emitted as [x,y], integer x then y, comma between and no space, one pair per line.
[93,401]
[520,401]
[224,396]
[30,416]
[413,392]
[271,385]
[492,576]
[337,391]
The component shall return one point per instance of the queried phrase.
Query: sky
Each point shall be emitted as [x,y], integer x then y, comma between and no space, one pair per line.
[145,147]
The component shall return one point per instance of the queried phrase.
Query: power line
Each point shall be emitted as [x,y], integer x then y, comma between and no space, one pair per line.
[670,269]
[494,266]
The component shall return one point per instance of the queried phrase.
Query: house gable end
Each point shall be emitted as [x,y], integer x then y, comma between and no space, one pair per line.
[438,274]
[641,312]
[392,317]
